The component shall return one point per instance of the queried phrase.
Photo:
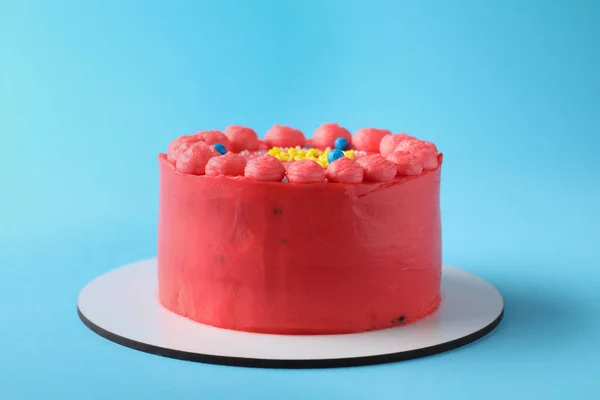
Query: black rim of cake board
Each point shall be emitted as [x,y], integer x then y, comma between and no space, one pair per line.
[291,364]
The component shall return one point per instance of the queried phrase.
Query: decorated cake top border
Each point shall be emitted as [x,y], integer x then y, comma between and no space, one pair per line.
[333,155]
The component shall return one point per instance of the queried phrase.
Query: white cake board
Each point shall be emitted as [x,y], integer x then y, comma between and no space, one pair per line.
[122,306]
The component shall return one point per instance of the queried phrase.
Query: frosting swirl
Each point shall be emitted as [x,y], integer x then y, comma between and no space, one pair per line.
[231,164]
[214,137]
[344,170]
[325,135]
[377,168]
[241,138]
[305,171]
[179,146]
[284,136]
[414,143]
[193,160]
[369,139]
[389,143]
[407,164]
[425,152]
[265,168]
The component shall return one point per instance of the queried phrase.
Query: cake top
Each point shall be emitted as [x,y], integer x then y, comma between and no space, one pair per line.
[332,155]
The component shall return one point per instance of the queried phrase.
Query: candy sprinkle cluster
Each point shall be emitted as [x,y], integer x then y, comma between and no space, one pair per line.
[297,153]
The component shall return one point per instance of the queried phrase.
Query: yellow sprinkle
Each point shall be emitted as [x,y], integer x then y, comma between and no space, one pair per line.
[301,153]
[275,150]
[349,154]
[323,164]
[326,152]
[312,158]
[313,152]
[292,151]
[298,158]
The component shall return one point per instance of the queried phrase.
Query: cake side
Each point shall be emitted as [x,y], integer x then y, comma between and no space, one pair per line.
[305,258]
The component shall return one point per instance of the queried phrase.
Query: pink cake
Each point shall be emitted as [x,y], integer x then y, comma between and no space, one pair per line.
[337,234]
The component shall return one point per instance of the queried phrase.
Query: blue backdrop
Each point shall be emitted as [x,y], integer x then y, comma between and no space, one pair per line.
[91,91]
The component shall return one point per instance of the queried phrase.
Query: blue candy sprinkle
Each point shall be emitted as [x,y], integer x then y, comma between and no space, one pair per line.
[341,143]
[220,148]
[334,155]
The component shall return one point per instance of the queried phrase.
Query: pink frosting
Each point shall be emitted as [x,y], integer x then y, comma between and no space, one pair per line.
[214,137]
[193,160]
[265,168]
[369,139]
[425,152]
[284,136]
[326,134]
[228,164]
[180,145]
[377,168]
[389,143]
[305,171]
[262,145]
[181,148]
[181,139]
[427,157]
[344,170]
[241,138]
[414,143]
[407,164]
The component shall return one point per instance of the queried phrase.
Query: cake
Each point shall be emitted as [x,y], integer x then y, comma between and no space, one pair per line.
[336,234]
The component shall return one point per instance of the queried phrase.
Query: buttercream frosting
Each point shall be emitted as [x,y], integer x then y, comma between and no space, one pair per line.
[305,171]
[369,139]
[426,152]
[407,164]
[345,170]
[230,164]
[213,137]
[265,168]
[325,135]
[193,161]
[284,136]
[389,143]
[377,168]
[241,138]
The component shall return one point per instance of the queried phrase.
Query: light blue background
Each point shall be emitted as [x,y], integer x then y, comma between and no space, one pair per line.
[91,91]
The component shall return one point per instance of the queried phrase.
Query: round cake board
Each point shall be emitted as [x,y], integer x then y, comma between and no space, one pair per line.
[122,306]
